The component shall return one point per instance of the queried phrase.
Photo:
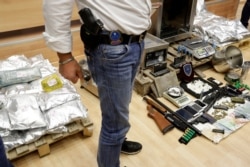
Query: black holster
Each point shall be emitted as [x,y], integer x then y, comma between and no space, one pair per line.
[90,41]
[90,29]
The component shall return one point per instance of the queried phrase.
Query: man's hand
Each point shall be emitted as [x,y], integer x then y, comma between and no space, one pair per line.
[70,70]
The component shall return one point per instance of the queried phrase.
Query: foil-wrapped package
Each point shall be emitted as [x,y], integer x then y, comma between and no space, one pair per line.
[45,67]
[217,29]
[3,100]
[4,132]
[23,88]
[65,114]
[24,112]
[59,129]
[27,112]
[23,75]
[4,119]
[15,62]
[32,135]
[12,141]
[57,97]
[244,110]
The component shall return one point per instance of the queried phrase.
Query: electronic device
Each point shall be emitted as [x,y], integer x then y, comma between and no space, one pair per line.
[192,111]
[197,48]
[175,19]
[159,69]
[178,61]
[188,113]
[198,105]
[177,96]
[155,51]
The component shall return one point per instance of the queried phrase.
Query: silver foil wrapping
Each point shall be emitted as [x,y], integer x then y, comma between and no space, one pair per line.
[32,135]
[57,97]
[244,110]
[13,140]
[217,29]
[15,89]
[15,62]
[10,77]
[65,113]
[24,112]
[4,119]
[27,112]
[59,129]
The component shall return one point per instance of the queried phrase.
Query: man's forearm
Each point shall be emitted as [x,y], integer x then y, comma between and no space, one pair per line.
[65,57]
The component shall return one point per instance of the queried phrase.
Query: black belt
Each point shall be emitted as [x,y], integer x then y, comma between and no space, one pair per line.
[117,38]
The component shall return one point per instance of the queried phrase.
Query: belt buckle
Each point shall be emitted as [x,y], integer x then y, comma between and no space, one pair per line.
[115,38]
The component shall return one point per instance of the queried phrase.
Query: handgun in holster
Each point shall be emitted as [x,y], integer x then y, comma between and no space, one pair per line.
[90,29]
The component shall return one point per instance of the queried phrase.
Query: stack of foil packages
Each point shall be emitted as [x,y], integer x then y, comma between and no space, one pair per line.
[216,29]
[27,112]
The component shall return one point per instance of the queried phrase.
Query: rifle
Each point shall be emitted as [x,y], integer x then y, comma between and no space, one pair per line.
[163,124]
[170,115]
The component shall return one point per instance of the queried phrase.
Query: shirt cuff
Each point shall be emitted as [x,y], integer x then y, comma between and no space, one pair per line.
[59,44]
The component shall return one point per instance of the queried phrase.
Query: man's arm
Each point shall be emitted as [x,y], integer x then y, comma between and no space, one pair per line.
[57,17]
[69,67]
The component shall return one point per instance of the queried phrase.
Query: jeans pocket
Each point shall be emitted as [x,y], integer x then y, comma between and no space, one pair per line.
[114,53]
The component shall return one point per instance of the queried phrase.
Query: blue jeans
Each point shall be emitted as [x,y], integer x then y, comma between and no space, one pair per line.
[4,162]
[113,69]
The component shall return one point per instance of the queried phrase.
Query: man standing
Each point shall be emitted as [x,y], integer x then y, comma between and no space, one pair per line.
[113,41]
[245,14]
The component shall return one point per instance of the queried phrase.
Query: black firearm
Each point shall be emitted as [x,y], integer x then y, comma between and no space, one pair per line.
[91,24]
[90,29]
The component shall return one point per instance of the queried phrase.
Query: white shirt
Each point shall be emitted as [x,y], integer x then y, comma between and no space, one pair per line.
[127,16]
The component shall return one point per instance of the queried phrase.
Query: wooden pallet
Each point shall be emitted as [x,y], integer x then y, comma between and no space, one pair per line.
[242,44]
[42,146]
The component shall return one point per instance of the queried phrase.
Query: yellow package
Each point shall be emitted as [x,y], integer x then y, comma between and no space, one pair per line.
[52,82]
